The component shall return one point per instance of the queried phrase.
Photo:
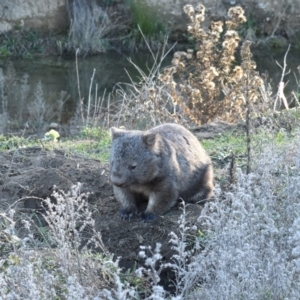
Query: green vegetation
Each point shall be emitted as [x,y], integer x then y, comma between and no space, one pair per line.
[250,30]
[22,43]
[147,26]
[146,18]
[234,142]
[91,143]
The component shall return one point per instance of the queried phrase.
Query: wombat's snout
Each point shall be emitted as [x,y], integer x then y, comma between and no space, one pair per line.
[118,184]
[117,181]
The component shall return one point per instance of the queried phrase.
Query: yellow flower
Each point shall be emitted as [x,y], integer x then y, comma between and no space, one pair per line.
[52,134]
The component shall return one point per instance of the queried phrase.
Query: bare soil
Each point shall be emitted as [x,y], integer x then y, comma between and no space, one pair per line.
[29,175]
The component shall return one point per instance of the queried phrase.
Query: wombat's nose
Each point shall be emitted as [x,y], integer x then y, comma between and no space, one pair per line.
[115,180]
[118,184]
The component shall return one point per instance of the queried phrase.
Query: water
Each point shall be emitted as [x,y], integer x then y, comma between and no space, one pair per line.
[267,61]
[58,82]
[60,75]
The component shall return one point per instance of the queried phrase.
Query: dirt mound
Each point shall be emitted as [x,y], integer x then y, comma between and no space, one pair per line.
[31,173]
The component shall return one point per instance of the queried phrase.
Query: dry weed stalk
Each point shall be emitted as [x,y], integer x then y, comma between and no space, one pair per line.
[149,102]
[210,86]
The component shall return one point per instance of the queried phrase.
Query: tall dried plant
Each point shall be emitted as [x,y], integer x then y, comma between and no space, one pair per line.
[210,84]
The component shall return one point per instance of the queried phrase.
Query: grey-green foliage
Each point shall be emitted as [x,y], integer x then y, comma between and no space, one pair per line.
[57,265]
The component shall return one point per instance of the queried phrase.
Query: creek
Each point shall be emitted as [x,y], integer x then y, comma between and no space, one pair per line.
[54,80]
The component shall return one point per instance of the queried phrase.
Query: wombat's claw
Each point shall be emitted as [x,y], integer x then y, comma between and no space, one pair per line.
[148,217]
[126,214]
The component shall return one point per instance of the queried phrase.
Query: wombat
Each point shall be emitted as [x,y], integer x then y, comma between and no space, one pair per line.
[162,165]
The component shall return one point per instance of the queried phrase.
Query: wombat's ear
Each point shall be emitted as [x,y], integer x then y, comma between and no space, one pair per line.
[116,132]
[149,138]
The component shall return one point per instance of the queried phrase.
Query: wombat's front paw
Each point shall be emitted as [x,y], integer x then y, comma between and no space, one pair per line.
[148,217]
[126,213]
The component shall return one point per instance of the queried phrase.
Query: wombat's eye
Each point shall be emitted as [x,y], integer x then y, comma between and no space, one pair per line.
[131,167]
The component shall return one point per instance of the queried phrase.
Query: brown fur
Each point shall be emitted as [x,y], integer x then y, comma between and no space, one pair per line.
[162,165]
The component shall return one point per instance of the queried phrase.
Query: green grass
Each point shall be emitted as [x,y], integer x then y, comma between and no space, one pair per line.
[22,43]
[221,148]
[95,143]
[146,18]
[13,142]
[91,143]
[146,24]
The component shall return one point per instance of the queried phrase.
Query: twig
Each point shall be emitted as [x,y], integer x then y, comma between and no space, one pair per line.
[296,98]
[278,22]
[108,106]
[280,94]
[43,146]
[78,86]
[248,124]
[95,105]
[90,99]
[100,104]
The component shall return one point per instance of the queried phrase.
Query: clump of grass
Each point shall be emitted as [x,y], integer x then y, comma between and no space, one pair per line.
[147,26]
[22,43]
[13,142]
[92,142]
[89,26]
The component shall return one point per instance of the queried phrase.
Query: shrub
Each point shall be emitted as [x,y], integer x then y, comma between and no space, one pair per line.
[55,263]
[210,84]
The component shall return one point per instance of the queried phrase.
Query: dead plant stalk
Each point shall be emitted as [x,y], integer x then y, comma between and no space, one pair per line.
[280,94]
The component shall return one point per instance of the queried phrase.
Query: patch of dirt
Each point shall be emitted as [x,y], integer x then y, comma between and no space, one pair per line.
[32,172]
[215,129]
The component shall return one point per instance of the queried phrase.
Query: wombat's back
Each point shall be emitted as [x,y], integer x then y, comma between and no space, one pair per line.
[187,160]
[183,141]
